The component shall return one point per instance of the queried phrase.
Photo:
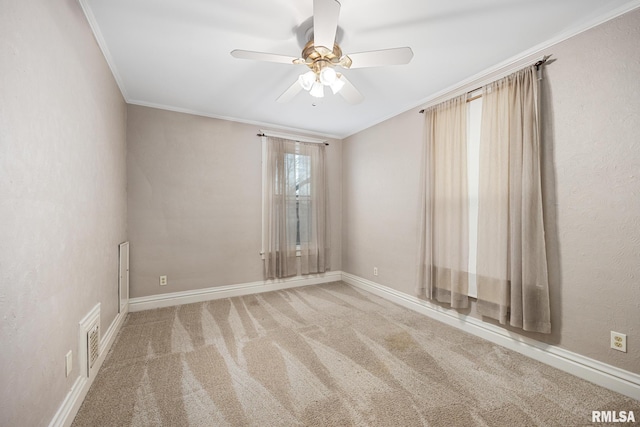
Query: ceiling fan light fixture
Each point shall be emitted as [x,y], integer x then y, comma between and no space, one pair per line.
[307,80]
[336,85]
[317,90]
[328,76]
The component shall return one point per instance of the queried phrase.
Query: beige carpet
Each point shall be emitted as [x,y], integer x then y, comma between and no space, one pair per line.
[327,355]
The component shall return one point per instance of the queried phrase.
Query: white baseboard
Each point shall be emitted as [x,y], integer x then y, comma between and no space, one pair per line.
[106,341]
[616,379]
[72,402]
[69,408]
[217,292]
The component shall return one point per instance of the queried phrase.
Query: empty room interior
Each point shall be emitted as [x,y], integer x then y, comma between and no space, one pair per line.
[315,212]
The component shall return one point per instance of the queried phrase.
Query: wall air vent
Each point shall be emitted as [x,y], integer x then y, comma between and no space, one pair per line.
[93,345]
[89,346]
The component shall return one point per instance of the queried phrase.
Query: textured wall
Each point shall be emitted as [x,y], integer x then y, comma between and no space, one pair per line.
[592,188]
[380,201]
[194,192]
[591,123]
[62,199]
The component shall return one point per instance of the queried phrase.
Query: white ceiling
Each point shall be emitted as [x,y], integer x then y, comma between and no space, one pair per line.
[175,54]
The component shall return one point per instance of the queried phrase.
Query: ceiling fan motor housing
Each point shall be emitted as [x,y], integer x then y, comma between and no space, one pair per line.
[319,57]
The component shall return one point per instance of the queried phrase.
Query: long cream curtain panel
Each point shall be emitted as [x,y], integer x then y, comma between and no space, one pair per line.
[295,224]
[513,284]
[444,235]
[512,278]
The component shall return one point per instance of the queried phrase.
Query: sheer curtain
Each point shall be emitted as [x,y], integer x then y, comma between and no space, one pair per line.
[295,224]
[444,222]
[512,264]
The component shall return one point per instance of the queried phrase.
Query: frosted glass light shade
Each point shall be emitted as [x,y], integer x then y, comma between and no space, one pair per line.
[328,76]
[307,80]
[317,90]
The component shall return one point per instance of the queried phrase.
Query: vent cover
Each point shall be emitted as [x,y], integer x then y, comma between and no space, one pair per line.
[93,345]
[89,348]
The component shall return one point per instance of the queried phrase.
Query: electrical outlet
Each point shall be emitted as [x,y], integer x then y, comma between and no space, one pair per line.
[163,280]
[618,341]
[375,271]
[68,362]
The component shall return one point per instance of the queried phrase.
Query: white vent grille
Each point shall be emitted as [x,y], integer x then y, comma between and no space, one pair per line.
[89,348]
[93,345]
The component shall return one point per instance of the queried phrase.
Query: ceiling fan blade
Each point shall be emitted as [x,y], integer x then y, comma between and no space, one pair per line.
[260,56]
[325,22]
[349,92]
[378,58]
[290,93]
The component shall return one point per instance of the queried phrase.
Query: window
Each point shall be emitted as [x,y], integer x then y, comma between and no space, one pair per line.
[294,207]
[481,220]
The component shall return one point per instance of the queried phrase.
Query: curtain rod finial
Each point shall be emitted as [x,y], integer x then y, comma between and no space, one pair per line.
[542,61]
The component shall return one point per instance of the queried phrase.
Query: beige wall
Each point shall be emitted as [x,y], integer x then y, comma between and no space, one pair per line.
[194,202]
[381,168]
[591,122]
[62,199]
[194,194]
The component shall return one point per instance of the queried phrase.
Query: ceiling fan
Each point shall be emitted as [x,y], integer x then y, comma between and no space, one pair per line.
[322,55]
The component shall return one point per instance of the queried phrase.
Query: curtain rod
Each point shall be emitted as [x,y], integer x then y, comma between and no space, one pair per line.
[293,136]
[537,64]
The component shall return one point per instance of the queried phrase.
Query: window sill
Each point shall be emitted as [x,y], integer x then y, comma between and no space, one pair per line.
[298,254]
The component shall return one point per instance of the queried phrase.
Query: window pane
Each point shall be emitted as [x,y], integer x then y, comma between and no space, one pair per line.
[298,177]
[304,175]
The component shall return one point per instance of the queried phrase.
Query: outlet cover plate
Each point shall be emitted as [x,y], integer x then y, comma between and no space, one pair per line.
[163,280]
[619,341]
